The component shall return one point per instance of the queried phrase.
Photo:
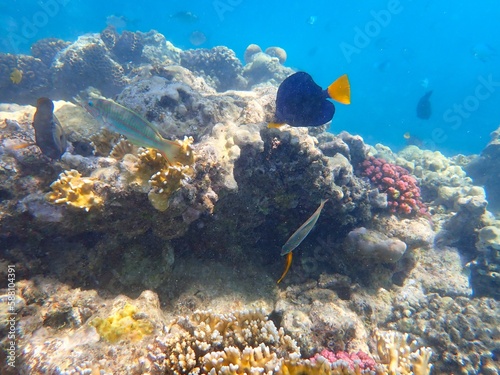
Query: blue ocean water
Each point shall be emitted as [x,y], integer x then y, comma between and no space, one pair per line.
[394,51]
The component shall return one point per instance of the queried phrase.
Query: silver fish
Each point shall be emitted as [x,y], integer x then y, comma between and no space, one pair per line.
[138,130]
[49,134]
[298,236]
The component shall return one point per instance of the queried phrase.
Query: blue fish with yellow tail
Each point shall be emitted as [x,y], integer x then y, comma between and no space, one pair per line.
[302,102]
[138,130]
[298,236]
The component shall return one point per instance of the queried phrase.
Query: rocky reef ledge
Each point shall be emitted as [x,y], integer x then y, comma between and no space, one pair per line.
[125,264]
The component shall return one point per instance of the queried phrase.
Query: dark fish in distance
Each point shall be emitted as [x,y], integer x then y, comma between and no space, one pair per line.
[424,109]
[49,134]
[185,16]
[301,102]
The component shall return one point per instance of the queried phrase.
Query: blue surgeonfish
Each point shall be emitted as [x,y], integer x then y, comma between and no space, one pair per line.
[298,236]
[301,102]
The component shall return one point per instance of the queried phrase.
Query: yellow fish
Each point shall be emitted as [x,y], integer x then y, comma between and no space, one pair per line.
[298,236]
[16,76]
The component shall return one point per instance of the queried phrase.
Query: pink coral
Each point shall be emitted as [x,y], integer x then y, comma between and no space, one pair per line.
[403,193]
[360,359]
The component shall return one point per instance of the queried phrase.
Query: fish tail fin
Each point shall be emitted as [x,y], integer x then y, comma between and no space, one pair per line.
[340,90]
[288,263]
[20,146]
[275,125]
[178,152]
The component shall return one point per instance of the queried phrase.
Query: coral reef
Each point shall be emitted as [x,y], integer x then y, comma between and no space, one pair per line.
[47,49]
[462,332]
[250,51]
[75,191]
[370,245]
[403,193]
[277,52]
[87,62]
[484,169]
[219,66]
[206,235]
[35,80]
[127,48]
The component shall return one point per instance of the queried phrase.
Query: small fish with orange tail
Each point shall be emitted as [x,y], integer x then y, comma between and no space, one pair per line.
[301,102]
[138,130]
[298,236]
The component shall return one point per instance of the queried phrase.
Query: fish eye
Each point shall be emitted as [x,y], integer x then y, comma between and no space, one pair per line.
[91,104]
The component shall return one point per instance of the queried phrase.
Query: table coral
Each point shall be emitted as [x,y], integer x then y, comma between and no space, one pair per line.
[75,191]
[403,193]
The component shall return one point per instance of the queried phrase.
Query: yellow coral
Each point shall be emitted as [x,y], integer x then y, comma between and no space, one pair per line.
[235,362]
[165,182]
[186,156]
[164,179]
[74,190]
[123,325]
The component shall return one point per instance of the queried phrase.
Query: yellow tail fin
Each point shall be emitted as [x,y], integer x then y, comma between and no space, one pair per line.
[340,90]
[288,263]
[274,125]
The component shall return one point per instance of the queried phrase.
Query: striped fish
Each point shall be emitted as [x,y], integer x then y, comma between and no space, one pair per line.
[137,129]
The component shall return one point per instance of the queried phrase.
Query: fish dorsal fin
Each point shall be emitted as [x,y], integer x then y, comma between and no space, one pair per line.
[340,90]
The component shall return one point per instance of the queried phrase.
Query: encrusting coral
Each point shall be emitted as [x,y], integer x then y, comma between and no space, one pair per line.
[75,191]
[124,324]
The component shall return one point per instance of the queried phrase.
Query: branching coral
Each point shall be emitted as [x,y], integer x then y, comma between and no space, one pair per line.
[399,357]
[221,344]
[248,343]
[75,191]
